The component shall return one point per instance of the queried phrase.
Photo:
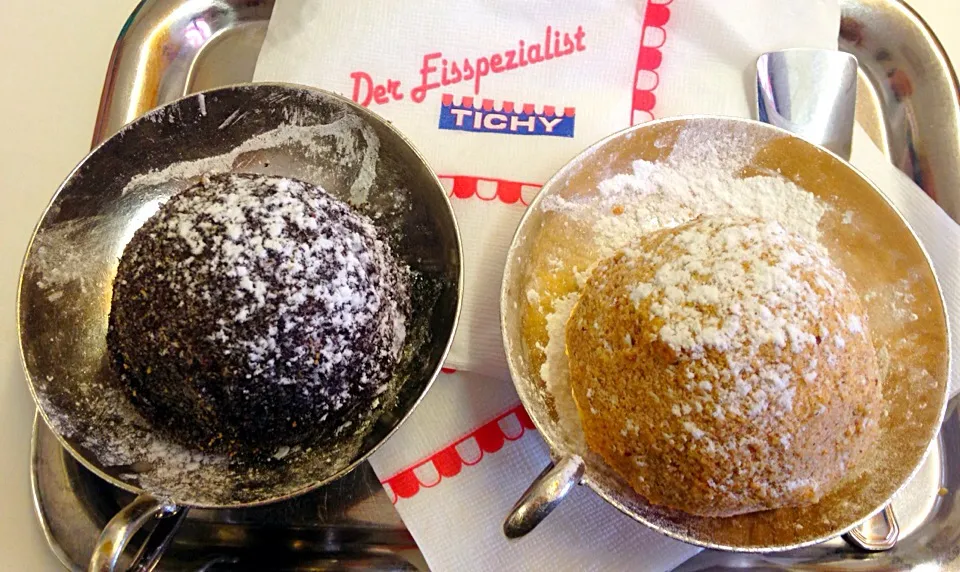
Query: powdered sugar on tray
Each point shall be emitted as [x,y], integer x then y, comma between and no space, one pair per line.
[126,445]
[700,177]
[555,371]
[340,134]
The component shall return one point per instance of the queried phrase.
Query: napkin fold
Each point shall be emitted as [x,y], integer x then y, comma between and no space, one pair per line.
[473,86]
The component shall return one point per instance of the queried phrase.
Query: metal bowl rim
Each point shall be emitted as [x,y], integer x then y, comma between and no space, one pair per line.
[519,381]
[366,115]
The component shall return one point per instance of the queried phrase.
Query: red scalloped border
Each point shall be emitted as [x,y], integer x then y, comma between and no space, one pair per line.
[449,461]
[653,36]
[505,191]
[649,57]
[448,99]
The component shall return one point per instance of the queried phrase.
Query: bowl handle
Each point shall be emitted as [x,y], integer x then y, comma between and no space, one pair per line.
[544,495]
[878,533]
[125,524]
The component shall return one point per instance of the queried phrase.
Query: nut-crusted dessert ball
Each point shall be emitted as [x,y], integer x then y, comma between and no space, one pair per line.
[724,366]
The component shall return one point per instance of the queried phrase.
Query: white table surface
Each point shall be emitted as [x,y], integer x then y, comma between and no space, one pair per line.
[53,55]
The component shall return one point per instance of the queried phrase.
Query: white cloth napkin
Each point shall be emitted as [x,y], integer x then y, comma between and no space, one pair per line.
[467,453]
[459,464]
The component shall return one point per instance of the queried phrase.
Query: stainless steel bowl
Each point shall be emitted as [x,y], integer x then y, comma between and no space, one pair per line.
[879,249]
[67,277]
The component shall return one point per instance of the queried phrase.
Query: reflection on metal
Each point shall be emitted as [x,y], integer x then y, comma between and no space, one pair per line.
[811,93]
[154,58]
[171,42]
[349,523]
[907,102]
[545,494]
[911,80]
[879,532]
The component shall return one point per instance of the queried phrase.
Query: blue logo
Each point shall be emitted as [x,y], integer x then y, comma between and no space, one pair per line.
[506,120]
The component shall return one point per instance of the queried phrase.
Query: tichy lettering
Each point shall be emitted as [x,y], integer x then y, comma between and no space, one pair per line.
[466,117]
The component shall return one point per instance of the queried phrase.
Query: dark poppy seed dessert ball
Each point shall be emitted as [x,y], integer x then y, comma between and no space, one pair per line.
[252,313]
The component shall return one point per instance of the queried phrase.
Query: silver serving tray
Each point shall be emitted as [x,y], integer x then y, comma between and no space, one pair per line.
[908,103]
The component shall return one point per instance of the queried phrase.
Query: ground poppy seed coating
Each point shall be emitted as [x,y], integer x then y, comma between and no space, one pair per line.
[257,312]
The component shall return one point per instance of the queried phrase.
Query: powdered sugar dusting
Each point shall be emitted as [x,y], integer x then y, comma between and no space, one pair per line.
[276,284]
[122,438]
[58,262]
[664,195]
[870,245]
[254,224]
[257,227]
[730,266]
[735,285]
[555,370]
[698,178]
